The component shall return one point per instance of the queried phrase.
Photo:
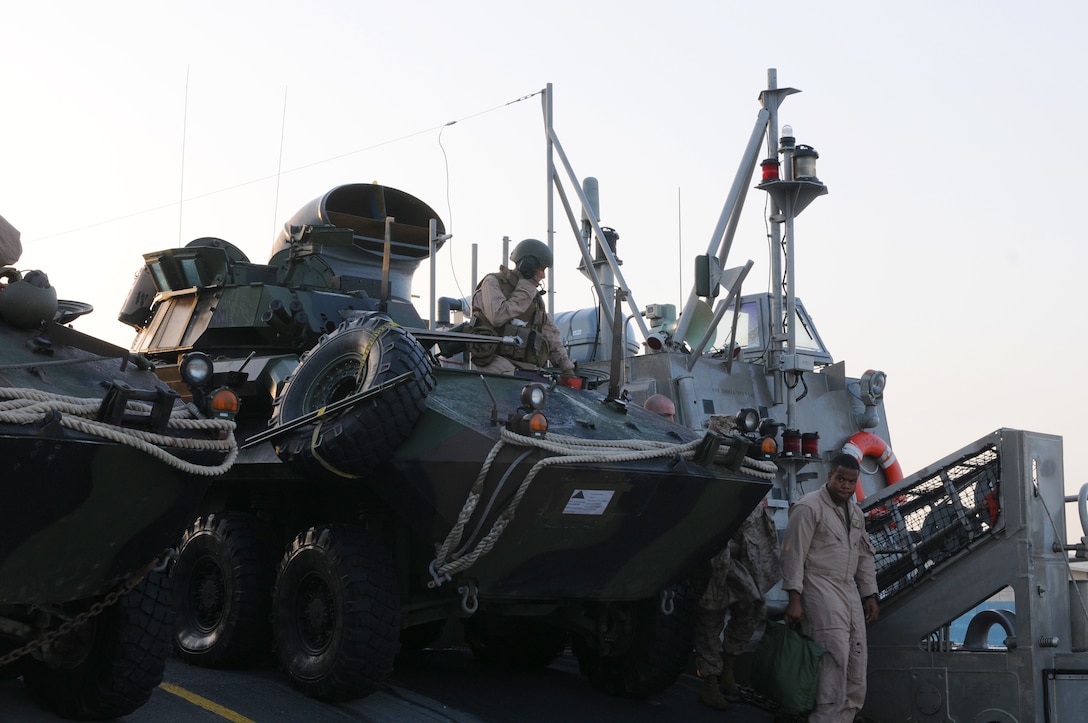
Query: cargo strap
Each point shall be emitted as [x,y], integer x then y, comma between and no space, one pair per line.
[360,376]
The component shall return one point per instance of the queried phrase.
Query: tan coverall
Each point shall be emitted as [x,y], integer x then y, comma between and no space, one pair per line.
[829,561]
[498,310]
[740,575]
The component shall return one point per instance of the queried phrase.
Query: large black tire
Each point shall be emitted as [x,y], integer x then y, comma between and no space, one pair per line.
[658,652]
[521,643]
[360,354]
[337,613]
[120,660]
[223,580]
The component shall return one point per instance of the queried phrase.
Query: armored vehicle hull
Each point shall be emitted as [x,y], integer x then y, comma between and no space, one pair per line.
[536,511]
[104,467]
[597,527]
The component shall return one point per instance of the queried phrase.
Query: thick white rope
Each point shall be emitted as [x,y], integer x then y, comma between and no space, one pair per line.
[29,406]
[567,450]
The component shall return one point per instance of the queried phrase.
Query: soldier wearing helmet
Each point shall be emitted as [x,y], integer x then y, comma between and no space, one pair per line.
[509,304]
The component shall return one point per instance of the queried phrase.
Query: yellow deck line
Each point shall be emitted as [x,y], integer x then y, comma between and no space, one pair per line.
[210,706]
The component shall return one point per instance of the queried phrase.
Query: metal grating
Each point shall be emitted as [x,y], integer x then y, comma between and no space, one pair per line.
[934,519]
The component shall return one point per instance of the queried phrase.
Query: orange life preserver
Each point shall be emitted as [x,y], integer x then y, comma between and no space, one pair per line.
[867,444]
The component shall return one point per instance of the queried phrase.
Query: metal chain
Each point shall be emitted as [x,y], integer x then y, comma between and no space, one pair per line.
[49,636]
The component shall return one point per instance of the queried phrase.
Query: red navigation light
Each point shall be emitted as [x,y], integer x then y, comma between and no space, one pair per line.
[770,169]
[791,443]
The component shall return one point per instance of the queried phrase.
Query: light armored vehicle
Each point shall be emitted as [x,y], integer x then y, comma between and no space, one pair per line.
[104,467]
[379,493]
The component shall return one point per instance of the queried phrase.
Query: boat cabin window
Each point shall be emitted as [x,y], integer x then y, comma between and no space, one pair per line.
[754,330]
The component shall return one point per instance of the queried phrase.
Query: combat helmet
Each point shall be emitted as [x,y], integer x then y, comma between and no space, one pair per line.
[27,300]
[532,247]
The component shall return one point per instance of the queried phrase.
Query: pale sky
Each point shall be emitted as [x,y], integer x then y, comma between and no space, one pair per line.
[948,251]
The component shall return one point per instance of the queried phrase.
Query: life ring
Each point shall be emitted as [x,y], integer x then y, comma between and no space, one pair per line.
[867,444]
[362,353]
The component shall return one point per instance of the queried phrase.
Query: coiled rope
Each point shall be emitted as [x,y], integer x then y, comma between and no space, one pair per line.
[567,450]
[30,406]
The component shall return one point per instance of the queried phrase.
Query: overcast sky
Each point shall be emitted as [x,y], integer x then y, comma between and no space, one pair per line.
[949,251]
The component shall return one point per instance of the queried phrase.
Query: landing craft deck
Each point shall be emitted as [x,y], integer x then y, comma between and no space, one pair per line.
[429,686]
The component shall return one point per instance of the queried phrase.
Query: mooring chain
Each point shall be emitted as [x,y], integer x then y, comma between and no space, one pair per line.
[51,635]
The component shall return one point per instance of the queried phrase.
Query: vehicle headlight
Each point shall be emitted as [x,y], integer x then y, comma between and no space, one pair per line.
[534,396]
[196,368]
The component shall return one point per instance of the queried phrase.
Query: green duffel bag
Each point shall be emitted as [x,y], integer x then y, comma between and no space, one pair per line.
[785,667]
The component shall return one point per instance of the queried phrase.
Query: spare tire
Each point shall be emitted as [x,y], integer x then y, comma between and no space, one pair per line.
[361,354]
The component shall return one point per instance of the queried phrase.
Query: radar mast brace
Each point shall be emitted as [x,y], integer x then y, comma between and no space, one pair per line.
[789,196]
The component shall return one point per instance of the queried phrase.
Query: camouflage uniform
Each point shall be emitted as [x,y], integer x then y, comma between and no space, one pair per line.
[739,576]
[504,296]
[10,246]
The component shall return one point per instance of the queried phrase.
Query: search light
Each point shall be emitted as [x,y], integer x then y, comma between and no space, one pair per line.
[872,387]
[747,420]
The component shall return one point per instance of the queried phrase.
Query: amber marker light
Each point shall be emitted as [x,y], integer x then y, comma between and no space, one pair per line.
[223,404]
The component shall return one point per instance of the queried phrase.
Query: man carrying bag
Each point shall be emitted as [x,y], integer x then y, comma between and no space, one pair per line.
[828,571]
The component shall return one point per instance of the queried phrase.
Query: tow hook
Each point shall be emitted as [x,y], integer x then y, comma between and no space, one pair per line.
[469,602]
[667,601]
[168,556]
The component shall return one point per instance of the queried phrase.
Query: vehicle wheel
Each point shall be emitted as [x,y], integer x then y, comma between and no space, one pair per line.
[361,354]
[516,642]
[223,581]
[337,613]
[113,662]
[656,656]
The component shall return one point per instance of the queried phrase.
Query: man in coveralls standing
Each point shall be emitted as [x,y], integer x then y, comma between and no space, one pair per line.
[828,571]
